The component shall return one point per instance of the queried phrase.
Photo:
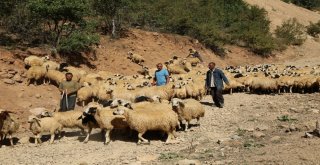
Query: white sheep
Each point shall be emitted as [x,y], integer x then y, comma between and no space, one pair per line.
[70,119]
[36,73]
[105,119]
[150,117]
[8,126]
[54,76]
[187,110]
[35,60]
[51,65]
[86,93]
[40,126]
[136,58]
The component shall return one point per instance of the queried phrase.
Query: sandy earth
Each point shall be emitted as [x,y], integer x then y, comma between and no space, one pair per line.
[247,128]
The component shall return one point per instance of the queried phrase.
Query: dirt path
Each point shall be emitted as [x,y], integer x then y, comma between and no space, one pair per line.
[247,128]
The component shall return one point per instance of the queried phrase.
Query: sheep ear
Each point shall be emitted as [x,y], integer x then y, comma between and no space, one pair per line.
[79,118]
[128,105]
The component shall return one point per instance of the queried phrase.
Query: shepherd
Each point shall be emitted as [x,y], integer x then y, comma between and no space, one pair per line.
[68,91]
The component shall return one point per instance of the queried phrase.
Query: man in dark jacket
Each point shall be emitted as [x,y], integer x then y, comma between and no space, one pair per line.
[214,83]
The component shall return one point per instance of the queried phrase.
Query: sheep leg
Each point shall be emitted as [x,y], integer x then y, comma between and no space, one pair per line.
[52,138]
[88,134]
[82,103]
[107,135]
[230,91]
[198,121]
[11,140]
[186,126]
[290,89]
[141,139]
[170,136]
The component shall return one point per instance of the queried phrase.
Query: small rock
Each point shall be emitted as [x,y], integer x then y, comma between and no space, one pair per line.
[13,72]
[293,128]
[188,162]
[295,110]
[275,138]
[24,140]
[9,81]
[262,128]
[17,78]
[135,163]
[38,96]
[258,134]
[147,158]
[235,137]
[314,110]
[20,95]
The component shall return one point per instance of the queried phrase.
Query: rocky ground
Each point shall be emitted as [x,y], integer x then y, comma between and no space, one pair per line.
[251,129]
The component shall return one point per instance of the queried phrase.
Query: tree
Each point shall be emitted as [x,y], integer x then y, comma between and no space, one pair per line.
[61,17]
[110,10]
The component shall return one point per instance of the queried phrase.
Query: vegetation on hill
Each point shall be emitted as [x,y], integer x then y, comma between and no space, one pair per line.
[73,25]
[309,4]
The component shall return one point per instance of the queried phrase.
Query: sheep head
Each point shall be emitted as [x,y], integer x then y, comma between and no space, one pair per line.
[121,110]
[177,104]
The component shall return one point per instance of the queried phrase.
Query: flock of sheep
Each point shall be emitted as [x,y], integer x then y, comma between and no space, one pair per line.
[114,101]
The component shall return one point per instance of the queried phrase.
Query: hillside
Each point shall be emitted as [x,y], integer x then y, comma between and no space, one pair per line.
[279,11]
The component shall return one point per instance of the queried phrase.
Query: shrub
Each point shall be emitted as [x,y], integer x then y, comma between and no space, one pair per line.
[291,32]
[78,41]
[314,29]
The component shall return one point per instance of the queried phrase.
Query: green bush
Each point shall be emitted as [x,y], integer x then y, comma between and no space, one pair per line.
[309,4]
[291,32]
[78,41]
[314,29]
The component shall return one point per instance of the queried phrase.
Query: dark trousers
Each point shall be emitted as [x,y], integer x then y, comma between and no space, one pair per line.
[71,103]
[217,96]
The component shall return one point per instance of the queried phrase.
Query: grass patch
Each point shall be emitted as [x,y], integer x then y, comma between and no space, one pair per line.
[286,118]
[169,156]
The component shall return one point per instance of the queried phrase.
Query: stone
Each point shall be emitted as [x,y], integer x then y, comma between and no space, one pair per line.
[38,96]
[147,158]
[8,81]
[135,163]
[314,110]
[188,162]
[295,110]
[275,139]
[17,78]
[20,95]
[262,128]
[293,128]
[258,134]
[308,135]
[36,51]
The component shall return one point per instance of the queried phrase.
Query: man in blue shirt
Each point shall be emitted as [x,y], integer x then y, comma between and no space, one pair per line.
[214,83]
[161,76]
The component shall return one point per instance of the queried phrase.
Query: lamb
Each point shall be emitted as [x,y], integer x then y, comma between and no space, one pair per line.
[70,119]
[85,93]
[51,65]
[187,110]
[36,73]
[47,124]
[105,119]
[153,117]
[55,77]
[136,58]
[8,126]
[176,69]
[35,60]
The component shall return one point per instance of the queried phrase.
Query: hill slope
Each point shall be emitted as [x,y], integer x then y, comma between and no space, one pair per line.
[279,11]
